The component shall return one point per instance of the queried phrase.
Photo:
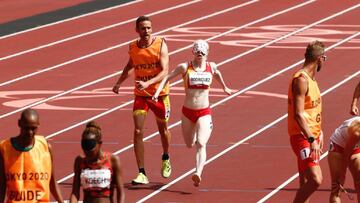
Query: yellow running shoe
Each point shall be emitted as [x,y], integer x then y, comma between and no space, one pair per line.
[166,168]
[140,179]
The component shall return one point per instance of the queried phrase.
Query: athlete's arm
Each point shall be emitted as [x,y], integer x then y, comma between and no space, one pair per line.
[2,179]
[354,109]
[218,77]
[54,187]
[124,75]
[164,63]
[299,86]
[75,193]
[120,192]
[180,69]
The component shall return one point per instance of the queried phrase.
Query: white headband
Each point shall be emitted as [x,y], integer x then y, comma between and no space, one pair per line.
[201,45]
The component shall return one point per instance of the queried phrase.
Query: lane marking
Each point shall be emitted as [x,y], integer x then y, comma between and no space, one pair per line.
[178,122]
[238,144]
[176,51]
[94,31]
[70,19]
[123,44]
[272,193]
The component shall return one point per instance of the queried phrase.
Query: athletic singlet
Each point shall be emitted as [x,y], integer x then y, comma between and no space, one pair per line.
[340,135]
[146,65]
[96,178]
[198,79]
[27,173]
[312,107]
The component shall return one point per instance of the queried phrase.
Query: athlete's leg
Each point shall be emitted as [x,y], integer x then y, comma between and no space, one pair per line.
[337,173]
[311,179]
[203,132]
[139,121]
[354,167]
[188,131]
[164,134]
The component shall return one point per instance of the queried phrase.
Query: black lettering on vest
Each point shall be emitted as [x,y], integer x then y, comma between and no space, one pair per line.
[24,195]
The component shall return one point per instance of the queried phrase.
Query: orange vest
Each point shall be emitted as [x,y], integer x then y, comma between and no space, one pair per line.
[312,107]
[146,65]
[27,173]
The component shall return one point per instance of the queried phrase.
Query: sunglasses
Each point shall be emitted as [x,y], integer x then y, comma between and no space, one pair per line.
[88,144]
[201,53]
[324,57]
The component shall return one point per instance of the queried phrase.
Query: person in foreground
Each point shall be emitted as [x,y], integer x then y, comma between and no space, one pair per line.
[344,152]
[26,164]
[196,118]
[304,121]
[98,172]
[149,60]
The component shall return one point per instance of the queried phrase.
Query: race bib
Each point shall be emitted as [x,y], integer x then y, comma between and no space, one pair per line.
[305,153]
[100,178]
[200,78]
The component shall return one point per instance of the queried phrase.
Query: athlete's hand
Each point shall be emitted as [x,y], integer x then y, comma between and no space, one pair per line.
[141,85]
[116,88]
[354,110]
[315,151]
[227,91]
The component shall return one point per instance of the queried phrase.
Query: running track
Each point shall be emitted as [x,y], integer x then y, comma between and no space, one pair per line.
[257,44]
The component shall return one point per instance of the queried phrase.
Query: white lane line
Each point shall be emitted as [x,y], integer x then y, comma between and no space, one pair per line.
[272,193]
[268,196]
[70,19]
[117,46]
[212,106]
[240,142]
[176,51]
[95,31]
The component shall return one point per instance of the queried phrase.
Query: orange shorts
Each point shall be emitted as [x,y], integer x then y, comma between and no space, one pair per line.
[301,148]
[161,108]
[333,147]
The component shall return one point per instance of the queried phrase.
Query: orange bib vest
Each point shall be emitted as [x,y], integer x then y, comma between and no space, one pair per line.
[146,65]
[312,107]
[27,173]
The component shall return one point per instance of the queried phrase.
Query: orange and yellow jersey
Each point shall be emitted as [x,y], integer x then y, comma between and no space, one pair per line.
[146,65]
[312,107]
[27,172]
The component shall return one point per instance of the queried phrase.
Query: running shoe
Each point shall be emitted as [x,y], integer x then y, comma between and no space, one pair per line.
[196,178]
[140,179]
[166,168]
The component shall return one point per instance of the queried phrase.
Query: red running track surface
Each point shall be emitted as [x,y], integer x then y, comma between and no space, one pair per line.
[256,165]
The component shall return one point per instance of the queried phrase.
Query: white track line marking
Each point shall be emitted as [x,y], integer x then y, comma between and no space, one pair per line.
[268,196]
[240,142]
[176,51]
[95,31]
[126,43]
[212,106]
[70,19]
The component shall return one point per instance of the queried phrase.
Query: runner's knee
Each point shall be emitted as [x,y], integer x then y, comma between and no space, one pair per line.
[317,180]
[138,133]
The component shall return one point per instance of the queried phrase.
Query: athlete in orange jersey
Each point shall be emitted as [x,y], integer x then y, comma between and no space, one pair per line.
[98,172]
[354,109]
[304,121]
[26,165]
[149,61]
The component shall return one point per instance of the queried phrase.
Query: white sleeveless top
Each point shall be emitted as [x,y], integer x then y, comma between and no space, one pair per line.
[340,135]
